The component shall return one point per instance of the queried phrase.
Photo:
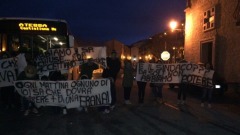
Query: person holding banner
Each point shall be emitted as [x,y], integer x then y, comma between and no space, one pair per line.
[29,73]
[127,81]
[57,76]
[207,91]
[73,72]
[7,92]
[141,87]
[87,68]
[113,65]
[157,87]
[87,73]
[182,90]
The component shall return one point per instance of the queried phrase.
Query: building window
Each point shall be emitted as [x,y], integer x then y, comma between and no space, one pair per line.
[209,19]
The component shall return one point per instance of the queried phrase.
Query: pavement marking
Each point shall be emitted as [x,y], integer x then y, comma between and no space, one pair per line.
[171,106]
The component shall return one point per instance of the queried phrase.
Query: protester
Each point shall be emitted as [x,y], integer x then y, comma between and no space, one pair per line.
[87,73]
[157,87]
[183,86]
[83,77]
[57,76]
[207,91]
[113,66]
[106,74]
[29,73]
[7,93]
[141,88]
[106,108]
[127,81]
[88,68]
[73,72]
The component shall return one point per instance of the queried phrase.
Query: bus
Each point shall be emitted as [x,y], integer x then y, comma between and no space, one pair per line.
[33,35]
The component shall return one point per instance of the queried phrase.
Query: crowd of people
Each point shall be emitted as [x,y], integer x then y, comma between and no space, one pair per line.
[10,98]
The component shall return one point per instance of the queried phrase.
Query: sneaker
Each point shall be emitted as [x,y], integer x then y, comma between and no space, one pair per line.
[106,111]
[183,103]
[64,111]
[34,110]
[80,109]
[26,113]
[160,101]
[179,102]
[209,106]
[127,102]
[202,104]
[85,109]
[112,107]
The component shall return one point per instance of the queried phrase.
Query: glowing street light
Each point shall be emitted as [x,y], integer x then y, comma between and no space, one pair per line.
[173,25]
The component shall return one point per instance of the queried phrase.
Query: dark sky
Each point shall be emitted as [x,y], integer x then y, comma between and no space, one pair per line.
[100,20]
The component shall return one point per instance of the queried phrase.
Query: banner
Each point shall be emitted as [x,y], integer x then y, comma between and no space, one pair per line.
[174,73]
[7,72]
[65,58]
[70,94]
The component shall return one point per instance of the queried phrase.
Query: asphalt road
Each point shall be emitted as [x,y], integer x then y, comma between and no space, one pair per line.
[149,118]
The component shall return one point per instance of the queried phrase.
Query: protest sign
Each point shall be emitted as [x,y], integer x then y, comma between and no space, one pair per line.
[174,73]
[7,72]
[65,58]
[70,94]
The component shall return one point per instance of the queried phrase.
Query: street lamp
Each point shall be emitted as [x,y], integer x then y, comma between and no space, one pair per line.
[165,55]
[173,25]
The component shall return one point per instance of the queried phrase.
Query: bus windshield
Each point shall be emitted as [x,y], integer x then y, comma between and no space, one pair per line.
[33,36]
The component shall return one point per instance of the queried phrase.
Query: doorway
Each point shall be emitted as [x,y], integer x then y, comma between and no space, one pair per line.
[206,52]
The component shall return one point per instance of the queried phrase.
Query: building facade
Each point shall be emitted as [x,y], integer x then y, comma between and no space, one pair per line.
[212,34]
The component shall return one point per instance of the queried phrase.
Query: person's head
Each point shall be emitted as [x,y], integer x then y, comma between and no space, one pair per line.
[84,77]
[208,66]
[44,78]
[159,61]
[90,61]
[4,55]
[55,75]
[141,61]
[30,71]
[127,63]
[152,60]
[114,54]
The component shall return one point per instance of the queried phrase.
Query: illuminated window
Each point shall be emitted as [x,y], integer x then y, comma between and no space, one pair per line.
[209,19]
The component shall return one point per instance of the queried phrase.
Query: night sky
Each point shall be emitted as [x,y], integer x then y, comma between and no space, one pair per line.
[101,20]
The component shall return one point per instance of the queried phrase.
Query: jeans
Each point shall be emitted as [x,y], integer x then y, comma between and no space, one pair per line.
[141,90]
[157,91]
[207,95]
[182,91]
[127,91]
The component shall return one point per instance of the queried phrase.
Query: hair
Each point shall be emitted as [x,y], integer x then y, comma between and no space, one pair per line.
[84,77]
[114,51]
[210,64]
[45,78]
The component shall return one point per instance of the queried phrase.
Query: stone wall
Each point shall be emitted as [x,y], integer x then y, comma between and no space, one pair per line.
[225,36]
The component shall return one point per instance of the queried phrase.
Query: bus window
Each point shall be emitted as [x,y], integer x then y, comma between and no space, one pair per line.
[33,35]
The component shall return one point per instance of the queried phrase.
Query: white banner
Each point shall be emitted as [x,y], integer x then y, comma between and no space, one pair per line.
[64,58]
[7,72]
[70,94]
[174,73]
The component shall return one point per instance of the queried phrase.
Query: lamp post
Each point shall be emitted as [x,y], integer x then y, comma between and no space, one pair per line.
[174,25]
[174,49]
